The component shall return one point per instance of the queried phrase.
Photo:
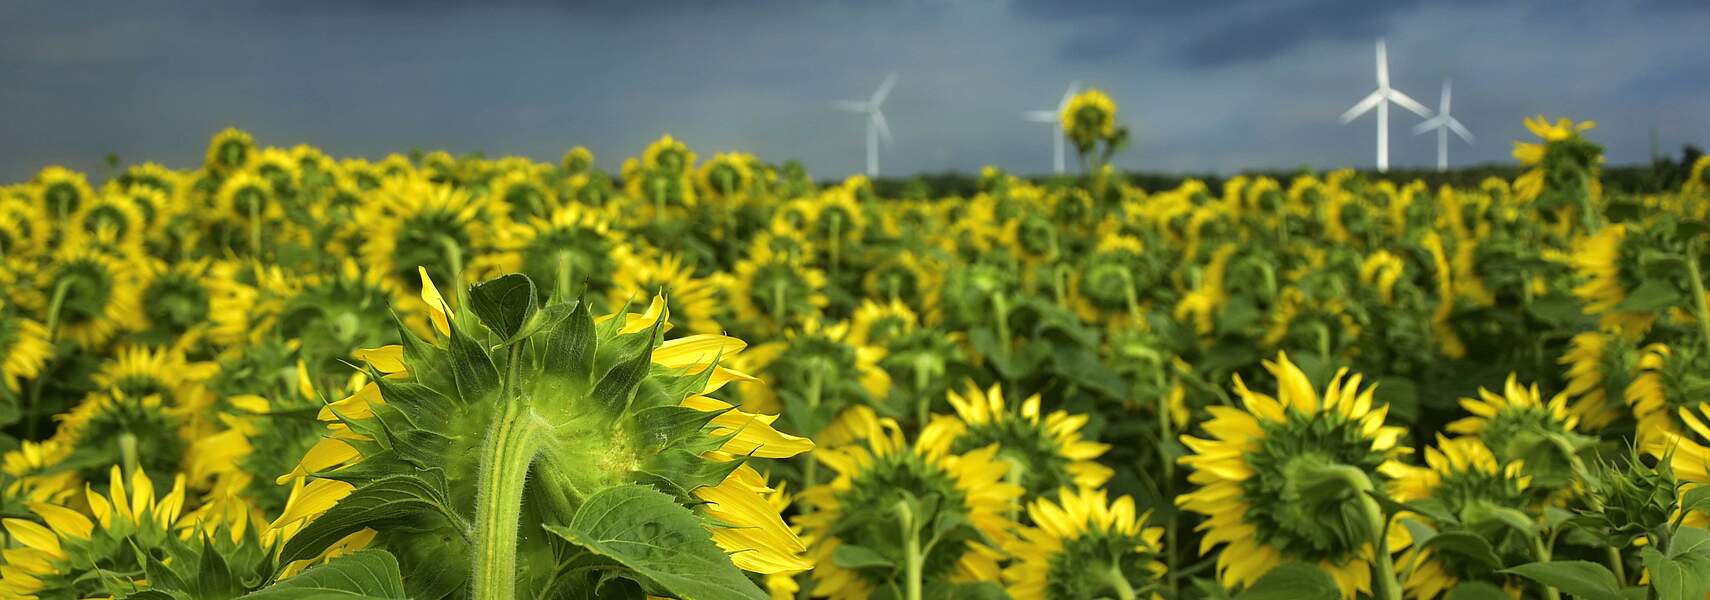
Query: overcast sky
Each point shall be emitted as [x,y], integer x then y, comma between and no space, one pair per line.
[1205,86]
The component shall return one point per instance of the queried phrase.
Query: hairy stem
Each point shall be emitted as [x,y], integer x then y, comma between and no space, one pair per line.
[506,454]
[1696,278]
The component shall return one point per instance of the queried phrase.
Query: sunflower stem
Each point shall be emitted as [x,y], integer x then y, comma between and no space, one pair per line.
[1696,279]
[255,228]
[1384,584]
[1117,581]
[506,454]
[128,454]
[1542,554]
[55,305]
[1165,433]
[914,561]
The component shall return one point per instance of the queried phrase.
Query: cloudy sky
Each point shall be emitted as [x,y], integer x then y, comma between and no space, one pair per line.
[1206,86]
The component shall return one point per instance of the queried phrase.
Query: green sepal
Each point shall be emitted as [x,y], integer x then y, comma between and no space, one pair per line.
[361,575]
[472,369]
[656,428]
[504,304]
[616,388]
[570,348]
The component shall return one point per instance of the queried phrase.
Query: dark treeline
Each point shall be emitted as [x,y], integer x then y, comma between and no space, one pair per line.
[1663,174]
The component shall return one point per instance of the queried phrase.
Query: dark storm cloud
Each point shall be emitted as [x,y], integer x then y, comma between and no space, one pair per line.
[1204,85]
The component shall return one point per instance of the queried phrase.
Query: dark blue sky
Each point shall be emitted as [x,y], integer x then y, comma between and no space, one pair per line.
[1205,85]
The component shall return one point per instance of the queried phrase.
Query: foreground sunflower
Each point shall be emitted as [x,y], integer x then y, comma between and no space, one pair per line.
[1045,452]
[1283,479]
[592,430]
[933,520]
[1468,479]
[1085,547]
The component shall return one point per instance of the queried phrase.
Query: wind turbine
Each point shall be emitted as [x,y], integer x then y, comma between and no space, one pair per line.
[1055,119]
[1381,99]
[876,128]
[1443,123]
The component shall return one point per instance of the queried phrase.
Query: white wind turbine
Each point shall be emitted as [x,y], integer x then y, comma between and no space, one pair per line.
[1443,123]
[1055,119]
[1381,99]
[876,128]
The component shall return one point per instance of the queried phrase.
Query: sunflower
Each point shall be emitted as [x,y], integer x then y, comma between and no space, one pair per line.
[1111,280]
[1563,143]
[1664,381]
[726,175]
[1084,546]
[1381,270]
[860,508]
[518,197]
[1045,452]
[112,428]
[906,276]
[248,199]
[24,347]
[1260,479]
[110,222]
[62,192]
[23,231]
[593,445]
[1603,264]
[574,245]
[662,178]
[1200,305]
[1088,118]
[577,161]
[1598,368]
[140,371]
[1467,479]
[823,372]
[879,323]
[176,299]
[775,290]
[93,296]
[228,152]
[693,301]
[133,537]
[1519,426]
[411,223]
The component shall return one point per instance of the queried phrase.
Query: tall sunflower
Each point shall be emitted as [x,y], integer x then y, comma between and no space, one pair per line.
[693,301]
[413,223]
[1262,478]
[775,290]
[1599,365]
[1045,452]
[879,485]
[92,296]
[1605,264]
[1084,546]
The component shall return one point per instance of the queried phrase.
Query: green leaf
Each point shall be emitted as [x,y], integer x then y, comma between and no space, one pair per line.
[505,303]
[389,499]
[472,368]
[1476,590]
[1583,579]
[361,575]
[1466,544]
[1683,573]
[1293,581]
[1651,295]
[665,545]
[850,556]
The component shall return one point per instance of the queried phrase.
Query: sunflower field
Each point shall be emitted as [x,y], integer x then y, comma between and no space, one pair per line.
[285,375]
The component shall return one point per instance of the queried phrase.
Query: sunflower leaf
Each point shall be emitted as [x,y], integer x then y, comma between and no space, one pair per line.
[360,575]
[398,500]
[1582,579]
[1476,590]
[664,545]
[1293,581]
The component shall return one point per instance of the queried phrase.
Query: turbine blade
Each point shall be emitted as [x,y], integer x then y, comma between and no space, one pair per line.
[1409,104]
[1365,105]
[1459,130]
[1074,88]
[1382,65]
[1444,105]
[884,130]
[1040,116]
[1427,125]
[855,106]
[884,90]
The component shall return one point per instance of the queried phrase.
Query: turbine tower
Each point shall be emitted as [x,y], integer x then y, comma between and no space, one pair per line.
[1444,123]
[1055,119]
[876,127]
[1381,99]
